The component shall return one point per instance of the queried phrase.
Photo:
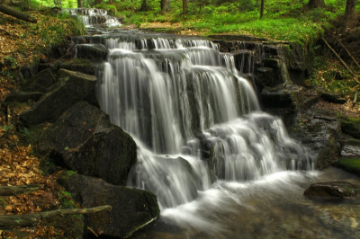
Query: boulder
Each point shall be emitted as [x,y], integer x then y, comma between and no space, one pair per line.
[84,140]
[319,131]
[351,126]
[70,87]
[351,148]
[94,52]
[332,190]
[81,65]
[334,98]
[41,82]
[132,209]
[268,77]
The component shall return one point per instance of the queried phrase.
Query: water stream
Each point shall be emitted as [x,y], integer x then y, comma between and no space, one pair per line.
[220,167]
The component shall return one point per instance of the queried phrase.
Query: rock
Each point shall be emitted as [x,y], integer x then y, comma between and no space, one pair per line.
[29,71]
[332,190]
[19,96]
[319,131]
[41,82]
[351,165]
[84,140]
[268,77]
[81,65]
[351,148]
[334,98]
[351,126]
[132,209]
[95,52]
[69,88]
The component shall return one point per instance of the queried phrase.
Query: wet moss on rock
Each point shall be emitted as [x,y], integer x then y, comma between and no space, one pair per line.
[351,165]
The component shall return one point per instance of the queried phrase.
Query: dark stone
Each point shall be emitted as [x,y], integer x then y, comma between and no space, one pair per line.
[272,63]
[288,97]
[268,77]
[19,96]
[318,131]
[84,140]
[79,65]
[296,57]
[132,209]
[332,190]
[334,98]
[351,148]
[69,88]
[244,61]
[41,82]
[351,126]
[94,52]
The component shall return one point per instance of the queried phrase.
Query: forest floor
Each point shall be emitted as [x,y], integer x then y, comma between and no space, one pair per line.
[22,43]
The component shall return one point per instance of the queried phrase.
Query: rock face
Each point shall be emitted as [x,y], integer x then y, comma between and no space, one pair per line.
[84,140]
[351,126]
[70,87]
[332,190]
[19,96]
[319,131]
[334,98]
[95,52]
[131,208]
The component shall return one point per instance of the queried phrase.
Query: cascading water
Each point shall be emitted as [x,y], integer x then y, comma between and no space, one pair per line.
[196,120]
[93,17]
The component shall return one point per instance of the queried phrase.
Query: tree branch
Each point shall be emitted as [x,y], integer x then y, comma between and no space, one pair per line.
[18,14]
[31,219]
[17,190]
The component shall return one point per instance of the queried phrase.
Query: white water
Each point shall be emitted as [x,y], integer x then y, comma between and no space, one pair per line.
[94,17]
[202,139]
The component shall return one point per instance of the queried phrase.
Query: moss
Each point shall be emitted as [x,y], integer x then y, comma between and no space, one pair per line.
[63,178]
[349,164]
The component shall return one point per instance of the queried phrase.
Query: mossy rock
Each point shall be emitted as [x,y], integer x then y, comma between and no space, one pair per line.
[351,126]
[351,165]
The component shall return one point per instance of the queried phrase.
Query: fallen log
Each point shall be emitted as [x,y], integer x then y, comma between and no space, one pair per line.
[32,219]
[17,190]
[18,14]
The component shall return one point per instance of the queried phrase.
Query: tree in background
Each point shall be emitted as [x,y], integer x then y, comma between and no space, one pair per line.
[185,7]
[165,5]
[316,3]
[350,14]
[79,3]
[262,8]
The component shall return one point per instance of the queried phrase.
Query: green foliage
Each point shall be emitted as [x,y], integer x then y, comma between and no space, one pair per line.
[7,127]
[66,200]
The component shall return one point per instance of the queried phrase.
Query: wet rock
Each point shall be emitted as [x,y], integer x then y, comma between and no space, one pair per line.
[351,148]
[268,77]
[19,96]
[332,190]
[244,61]
[80,65]
[319,131]
[334,98]
[41,82]
[351,126]
[70,87]
[84,140]
[94,52]
[132,209]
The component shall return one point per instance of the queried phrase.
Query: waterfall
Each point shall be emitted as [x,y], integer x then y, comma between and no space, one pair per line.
[194,116]
[93,17]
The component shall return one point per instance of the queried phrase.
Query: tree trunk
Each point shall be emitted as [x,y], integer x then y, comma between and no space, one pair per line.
[143,6]
[32,219]
[185,7]
[165,5]
[262,8]
[350,15]
[316,3]
[79,3]
[15,13]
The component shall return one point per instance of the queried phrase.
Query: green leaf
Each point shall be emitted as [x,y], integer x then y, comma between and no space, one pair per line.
[66,148]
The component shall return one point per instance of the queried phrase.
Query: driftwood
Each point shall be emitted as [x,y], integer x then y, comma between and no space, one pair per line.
[32,219]
[17,190]
[18,14]
[342,62]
